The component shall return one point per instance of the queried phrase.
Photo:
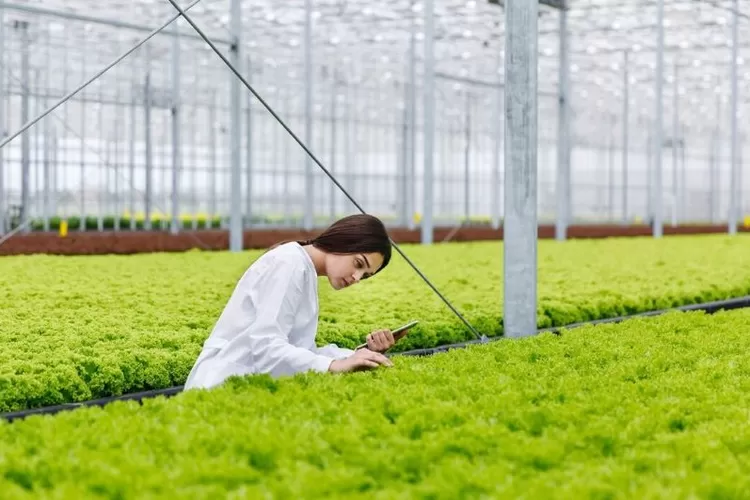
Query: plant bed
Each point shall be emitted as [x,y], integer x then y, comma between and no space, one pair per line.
[80,328]
[651,407]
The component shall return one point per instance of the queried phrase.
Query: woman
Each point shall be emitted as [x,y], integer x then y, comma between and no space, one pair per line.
[270,322]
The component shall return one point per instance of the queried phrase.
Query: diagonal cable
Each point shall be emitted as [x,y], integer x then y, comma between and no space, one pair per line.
[97,75]
[315,159]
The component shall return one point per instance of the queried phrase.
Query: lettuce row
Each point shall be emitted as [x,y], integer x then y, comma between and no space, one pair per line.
[652,407]
[77,328]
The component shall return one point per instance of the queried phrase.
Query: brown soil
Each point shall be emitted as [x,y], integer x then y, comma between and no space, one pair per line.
[125,242]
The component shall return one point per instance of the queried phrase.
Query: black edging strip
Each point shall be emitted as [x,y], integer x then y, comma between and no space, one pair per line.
[708,307]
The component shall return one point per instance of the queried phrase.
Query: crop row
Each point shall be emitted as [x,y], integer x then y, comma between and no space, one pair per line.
[647,408]
[77,328]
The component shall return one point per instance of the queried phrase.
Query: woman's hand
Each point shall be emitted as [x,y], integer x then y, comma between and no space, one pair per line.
[363,359]
[380,340]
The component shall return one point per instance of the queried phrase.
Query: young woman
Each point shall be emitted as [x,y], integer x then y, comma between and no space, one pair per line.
[270,321]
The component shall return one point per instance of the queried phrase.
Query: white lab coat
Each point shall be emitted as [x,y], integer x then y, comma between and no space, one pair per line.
[269,323]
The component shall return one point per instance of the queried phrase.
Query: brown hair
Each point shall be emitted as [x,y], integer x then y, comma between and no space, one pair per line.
[359,233]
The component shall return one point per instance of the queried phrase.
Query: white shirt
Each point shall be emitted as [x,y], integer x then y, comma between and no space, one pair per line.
[269,323]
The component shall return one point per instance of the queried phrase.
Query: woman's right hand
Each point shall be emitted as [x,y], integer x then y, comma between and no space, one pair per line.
[362,359]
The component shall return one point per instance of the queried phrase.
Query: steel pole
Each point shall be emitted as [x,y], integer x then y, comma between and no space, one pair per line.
[675,143]
[625,127]
[734,184]
[25,145]
[308,83]
[176,143]
[3,210]
[249,151]
[520,228]
[563,131]
[429,120]
[235,215]
[658,222]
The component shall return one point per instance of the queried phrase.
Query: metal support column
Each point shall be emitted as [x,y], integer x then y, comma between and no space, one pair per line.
[625,127]
[214,170]
[176,143]
[467,151]
[411,203]
[403,188]
[496,192]
[25,145]
[149,152]
[235,129]
[658,204]
[334,98]
[520,228]
[131,162]
[249,149]
[564,211]
[675,145]
[734,184]
[308,83]
[429,120]
[3,209]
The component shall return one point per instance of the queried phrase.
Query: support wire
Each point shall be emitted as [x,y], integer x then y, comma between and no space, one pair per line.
[483,338]
[97,75]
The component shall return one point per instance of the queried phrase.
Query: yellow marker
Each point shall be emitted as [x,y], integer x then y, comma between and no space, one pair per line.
[747,221]
[63,228]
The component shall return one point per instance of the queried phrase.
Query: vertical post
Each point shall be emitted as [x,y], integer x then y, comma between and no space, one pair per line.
[521,86]
[309,191]
[249,150]
[176,143]
[713,160]
[734,184]
[611,175]
[429,119]
[467,150]
[625,127]
[412,169]
[147,132]
[683,177]
[405,155]
[212,153]
[46,209]
[658,204]
[131,161]
[495,190]
[563,131]
[25,145]
[235,216]
[3,212]
[118,116]
[334,95]
[675,144]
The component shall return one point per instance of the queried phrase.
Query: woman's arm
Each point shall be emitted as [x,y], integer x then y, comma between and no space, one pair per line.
[268,300]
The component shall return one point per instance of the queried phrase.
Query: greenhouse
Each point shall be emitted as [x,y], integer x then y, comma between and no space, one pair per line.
[215,216]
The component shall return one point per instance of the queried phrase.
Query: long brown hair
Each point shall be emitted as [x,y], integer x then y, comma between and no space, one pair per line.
[359,233]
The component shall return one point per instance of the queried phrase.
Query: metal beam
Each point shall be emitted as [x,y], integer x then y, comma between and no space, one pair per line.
[429,120]
[235,213]
[98,20]
[555,4]
[520,223]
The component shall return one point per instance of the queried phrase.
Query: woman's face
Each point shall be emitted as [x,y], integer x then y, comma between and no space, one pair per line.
[346,270]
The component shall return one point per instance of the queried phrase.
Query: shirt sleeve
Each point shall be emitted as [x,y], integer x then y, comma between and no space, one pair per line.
[334,351]
[268,298]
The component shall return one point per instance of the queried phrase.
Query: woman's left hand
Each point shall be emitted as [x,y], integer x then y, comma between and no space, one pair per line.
[380,340]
